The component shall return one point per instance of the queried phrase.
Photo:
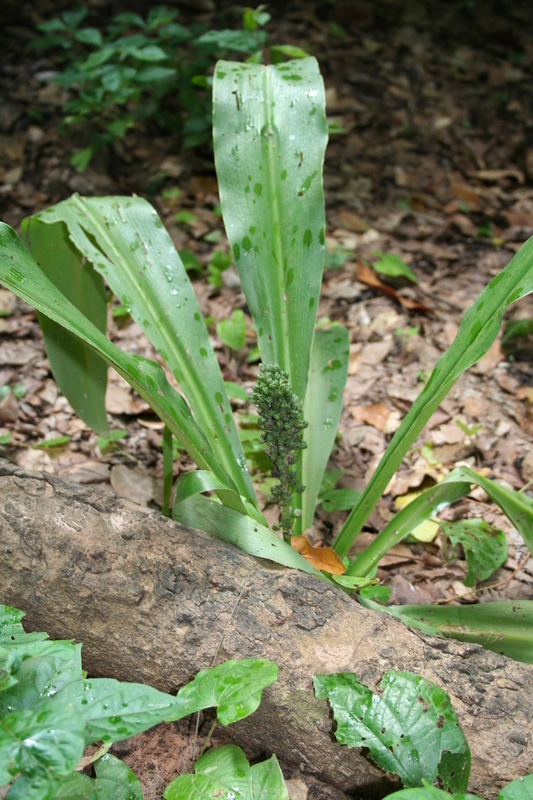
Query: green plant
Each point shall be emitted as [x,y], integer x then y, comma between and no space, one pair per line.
[49,712]
[411,729]
[143,70]
[269,142]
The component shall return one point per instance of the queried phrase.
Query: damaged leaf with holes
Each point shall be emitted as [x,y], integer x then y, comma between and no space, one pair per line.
[410,729]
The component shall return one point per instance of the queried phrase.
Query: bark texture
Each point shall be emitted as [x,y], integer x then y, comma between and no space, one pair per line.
[150,600]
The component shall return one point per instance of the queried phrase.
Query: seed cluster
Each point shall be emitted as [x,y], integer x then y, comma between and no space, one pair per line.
[281,423]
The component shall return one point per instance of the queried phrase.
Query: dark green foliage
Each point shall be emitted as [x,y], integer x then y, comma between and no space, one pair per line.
[141,70]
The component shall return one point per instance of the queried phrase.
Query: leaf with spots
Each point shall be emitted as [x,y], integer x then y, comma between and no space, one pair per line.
[20,273]
[410,729]
[125,241]
[270,135]
[224,773]
[234,688]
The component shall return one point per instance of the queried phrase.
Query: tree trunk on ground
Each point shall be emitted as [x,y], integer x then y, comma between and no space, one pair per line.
[151,601]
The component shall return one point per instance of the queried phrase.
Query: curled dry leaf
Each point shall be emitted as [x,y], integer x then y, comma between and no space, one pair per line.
[324,558]
[367,276]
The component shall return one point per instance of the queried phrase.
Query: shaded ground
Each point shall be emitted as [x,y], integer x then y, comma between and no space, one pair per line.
[435,164]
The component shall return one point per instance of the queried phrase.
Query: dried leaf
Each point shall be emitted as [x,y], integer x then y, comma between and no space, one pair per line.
[324,558]
[353,222]
[376,415]
[367,276]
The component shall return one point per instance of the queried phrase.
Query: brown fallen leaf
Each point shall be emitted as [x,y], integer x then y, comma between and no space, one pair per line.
[376,415]
[464,224]
[525,393]
[324,558]
[367,276]
[353,222]
[467,194]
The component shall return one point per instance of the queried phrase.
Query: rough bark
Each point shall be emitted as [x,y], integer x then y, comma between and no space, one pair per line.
[150,601]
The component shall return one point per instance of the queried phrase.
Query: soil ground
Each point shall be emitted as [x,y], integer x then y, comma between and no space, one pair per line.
[434,164]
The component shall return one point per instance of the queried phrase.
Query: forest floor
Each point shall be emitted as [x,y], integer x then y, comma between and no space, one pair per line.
[435,165]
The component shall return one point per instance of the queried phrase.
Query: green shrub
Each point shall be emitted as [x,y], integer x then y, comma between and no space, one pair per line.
[141,71]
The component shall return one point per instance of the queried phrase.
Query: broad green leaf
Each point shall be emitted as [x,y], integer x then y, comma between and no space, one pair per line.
[269,141]
[115,780]
[193,483]
[20,273]
[505,627]
[238,41]
[45,787]
[429,792]
[322,410]
[478,330]
[289,50]
[80,372]
[244,532]
[41,672]
[236,391]
[485,546]
[224,773]
[520,789]
[518,507]
[411,729]
[150,53]
[44,742]
[198,787]
[137,257]
[75,787]
[232,331]
[12,634]
[234,688]
[392,266]
[115,710]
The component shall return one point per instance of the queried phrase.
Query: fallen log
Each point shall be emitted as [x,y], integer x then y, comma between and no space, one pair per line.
[151,601]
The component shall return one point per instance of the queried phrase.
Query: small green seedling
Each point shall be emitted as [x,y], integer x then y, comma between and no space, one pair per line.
[232,331]
[107,441]
[50,444]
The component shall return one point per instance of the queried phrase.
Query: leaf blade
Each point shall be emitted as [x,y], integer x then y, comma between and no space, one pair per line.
[138,259]
[408,728]
[322,410]
[80,372]
[269,139]
[20,273]
[478,330]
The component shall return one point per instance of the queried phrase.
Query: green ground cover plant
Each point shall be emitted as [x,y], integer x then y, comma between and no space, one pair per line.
[270,135]
[142,70]
[49,713]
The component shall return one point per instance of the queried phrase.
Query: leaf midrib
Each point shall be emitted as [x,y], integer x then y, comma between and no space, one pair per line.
[220,439]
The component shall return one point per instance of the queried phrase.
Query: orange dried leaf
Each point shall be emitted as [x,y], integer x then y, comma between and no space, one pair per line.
[324,558]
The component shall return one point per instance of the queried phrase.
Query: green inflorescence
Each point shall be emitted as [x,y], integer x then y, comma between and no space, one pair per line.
[281,422]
